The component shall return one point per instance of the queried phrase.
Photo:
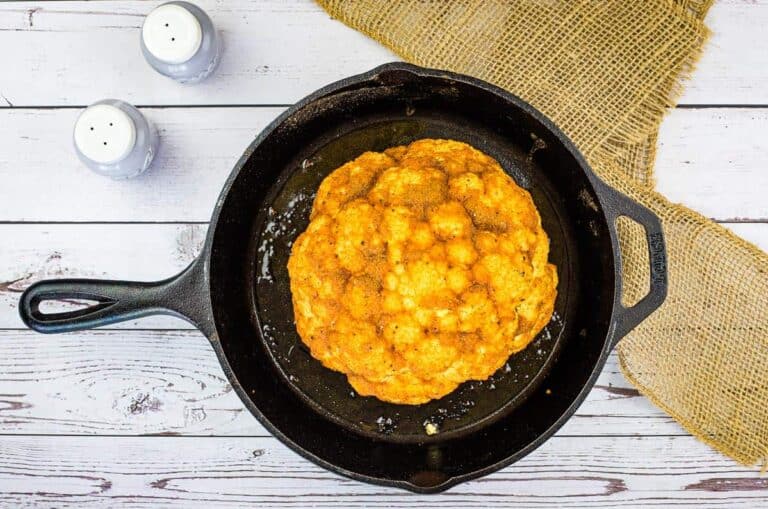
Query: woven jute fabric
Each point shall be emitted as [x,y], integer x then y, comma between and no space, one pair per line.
[606,71]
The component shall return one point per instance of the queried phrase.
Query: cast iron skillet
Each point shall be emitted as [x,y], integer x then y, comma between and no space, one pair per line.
[237,291]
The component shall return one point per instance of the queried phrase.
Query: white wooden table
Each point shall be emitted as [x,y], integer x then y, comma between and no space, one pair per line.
[140,414]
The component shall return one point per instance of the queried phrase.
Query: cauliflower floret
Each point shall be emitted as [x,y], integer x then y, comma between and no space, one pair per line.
[421,268]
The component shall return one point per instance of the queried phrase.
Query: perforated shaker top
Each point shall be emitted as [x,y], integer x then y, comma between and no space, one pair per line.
[104,133]
[172,33]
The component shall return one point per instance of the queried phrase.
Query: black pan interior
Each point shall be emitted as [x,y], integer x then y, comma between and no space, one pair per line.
[286,214]
[268,206]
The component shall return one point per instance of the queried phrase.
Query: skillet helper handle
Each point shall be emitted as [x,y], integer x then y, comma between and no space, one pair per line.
[114,301]
[627,318]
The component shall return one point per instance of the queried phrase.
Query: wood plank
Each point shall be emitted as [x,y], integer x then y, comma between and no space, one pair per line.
[658,472]
[275,52]
[123,382]
[733,69]
[756,233]
[711,159]
[145,381]
[714,161]
[66,53]
[134,252]
[32,252]
[97,382]
[198,149]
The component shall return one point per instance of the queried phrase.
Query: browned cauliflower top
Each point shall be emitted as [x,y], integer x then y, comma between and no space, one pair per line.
[422,267]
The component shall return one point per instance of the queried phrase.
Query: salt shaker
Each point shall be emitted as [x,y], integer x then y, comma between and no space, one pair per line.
[113,138]
[179,40]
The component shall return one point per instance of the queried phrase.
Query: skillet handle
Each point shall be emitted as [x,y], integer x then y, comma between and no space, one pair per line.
[115,301]
[617,205]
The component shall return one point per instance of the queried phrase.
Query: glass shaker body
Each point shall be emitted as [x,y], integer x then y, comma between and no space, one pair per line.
[179,41]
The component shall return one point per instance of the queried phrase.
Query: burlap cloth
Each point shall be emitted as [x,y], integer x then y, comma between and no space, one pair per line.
[606,71]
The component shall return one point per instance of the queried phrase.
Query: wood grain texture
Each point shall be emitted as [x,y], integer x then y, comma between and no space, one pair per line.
[73,53]
[275,52]
[127,382]
[734,66]
[98,390]
[137,252]
[710,159]
[588,472]
[134,252]
[714,161]
[198,149]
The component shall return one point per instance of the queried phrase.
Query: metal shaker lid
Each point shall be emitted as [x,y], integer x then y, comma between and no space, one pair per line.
[172,33]
[104,133]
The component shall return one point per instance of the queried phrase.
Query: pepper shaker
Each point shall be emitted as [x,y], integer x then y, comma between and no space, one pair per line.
[113,138]
[179,40]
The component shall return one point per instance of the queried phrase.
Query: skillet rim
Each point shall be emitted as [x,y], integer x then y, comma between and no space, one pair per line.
[374,74]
